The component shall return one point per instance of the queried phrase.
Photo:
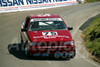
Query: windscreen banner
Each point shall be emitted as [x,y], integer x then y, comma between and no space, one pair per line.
[21,5]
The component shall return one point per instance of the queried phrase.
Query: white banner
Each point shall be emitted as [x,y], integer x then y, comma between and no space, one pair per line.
[20,5]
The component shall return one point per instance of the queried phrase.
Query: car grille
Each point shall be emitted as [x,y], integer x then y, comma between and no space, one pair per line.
[53,46]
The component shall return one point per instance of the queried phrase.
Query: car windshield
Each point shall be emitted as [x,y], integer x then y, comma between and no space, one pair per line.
[47,25]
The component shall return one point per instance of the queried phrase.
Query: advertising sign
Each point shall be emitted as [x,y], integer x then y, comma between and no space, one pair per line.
[20,5]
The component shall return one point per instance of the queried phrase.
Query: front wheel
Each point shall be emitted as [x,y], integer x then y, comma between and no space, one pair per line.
[74,54]
[26,52]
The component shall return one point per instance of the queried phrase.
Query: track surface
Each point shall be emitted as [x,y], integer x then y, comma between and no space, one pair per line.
[10,33]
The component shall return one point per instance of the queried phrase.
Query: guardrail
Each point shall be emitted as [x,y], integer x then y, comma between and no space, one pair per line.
[22,5]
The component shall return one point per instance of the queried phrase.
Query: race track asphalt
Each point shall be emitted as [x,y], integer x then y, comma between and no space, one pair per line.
[74,16]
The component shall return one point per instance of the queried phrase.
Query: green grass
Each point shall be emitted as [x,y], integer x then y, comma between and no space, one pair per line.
[92,36]
[91,0]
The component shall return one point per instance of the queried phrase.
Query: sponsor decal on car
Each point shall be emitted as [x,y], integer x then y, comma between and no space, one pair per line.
[46,19]
[48,37]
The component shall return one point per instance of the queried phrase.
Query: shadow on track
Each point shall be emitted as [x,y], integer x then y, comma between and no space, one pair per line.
[15,49]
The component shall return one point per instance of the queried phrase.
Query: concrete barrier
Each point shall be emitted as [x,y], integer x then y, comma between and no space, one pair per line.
[22,5]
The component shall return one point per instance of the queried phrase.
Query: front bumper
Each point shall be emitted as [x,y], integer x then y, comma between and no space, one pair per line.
[68,51]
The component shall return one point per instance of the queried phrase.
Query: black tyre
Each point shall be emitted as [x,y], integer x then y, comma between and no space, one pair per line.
[26,52]
[73,54]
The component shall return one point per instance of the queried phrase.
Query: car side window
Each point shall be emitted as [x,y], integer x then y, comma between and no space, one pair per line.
[27,21]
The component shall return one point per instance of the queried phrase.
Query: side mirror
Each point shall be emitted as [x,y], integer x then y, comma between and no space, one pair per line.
[23,30]
[70,28]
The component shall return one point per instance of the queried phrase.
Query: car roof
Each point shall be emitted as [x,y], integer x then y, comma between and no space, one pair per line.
[45,16]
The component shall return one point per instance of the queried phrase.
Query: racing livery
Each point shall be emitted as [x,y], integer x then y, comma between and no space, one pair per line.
[45,35]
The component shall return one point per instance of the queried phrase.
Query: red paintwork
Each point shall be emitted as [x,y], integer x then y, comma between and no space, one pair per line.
[45,16]
[61,33]
[39,33]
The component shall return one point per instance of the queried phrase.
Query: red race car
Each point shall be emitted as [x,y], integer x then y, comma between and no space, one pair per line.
[46,35]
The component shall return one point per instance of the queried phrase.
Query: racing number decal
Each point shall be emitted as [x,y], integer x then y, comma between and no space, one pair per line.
[49,33]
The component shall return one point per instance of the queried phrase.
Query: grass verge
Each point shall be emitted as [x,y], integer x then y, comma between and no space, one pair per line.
[92,37]
[87,1]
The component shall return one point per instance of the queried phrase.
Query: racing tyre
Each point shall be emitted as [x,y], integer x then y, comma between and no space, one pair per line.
[73,54]
[26,52]
[22,46]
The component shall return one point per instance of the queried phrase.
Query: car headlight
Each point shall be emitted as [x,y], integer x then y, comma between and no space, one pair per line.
[32,43]
[69,42]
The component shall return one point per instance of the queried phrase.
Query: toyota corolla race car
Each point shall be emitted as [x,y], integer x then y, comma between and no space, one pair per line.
[45,35]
